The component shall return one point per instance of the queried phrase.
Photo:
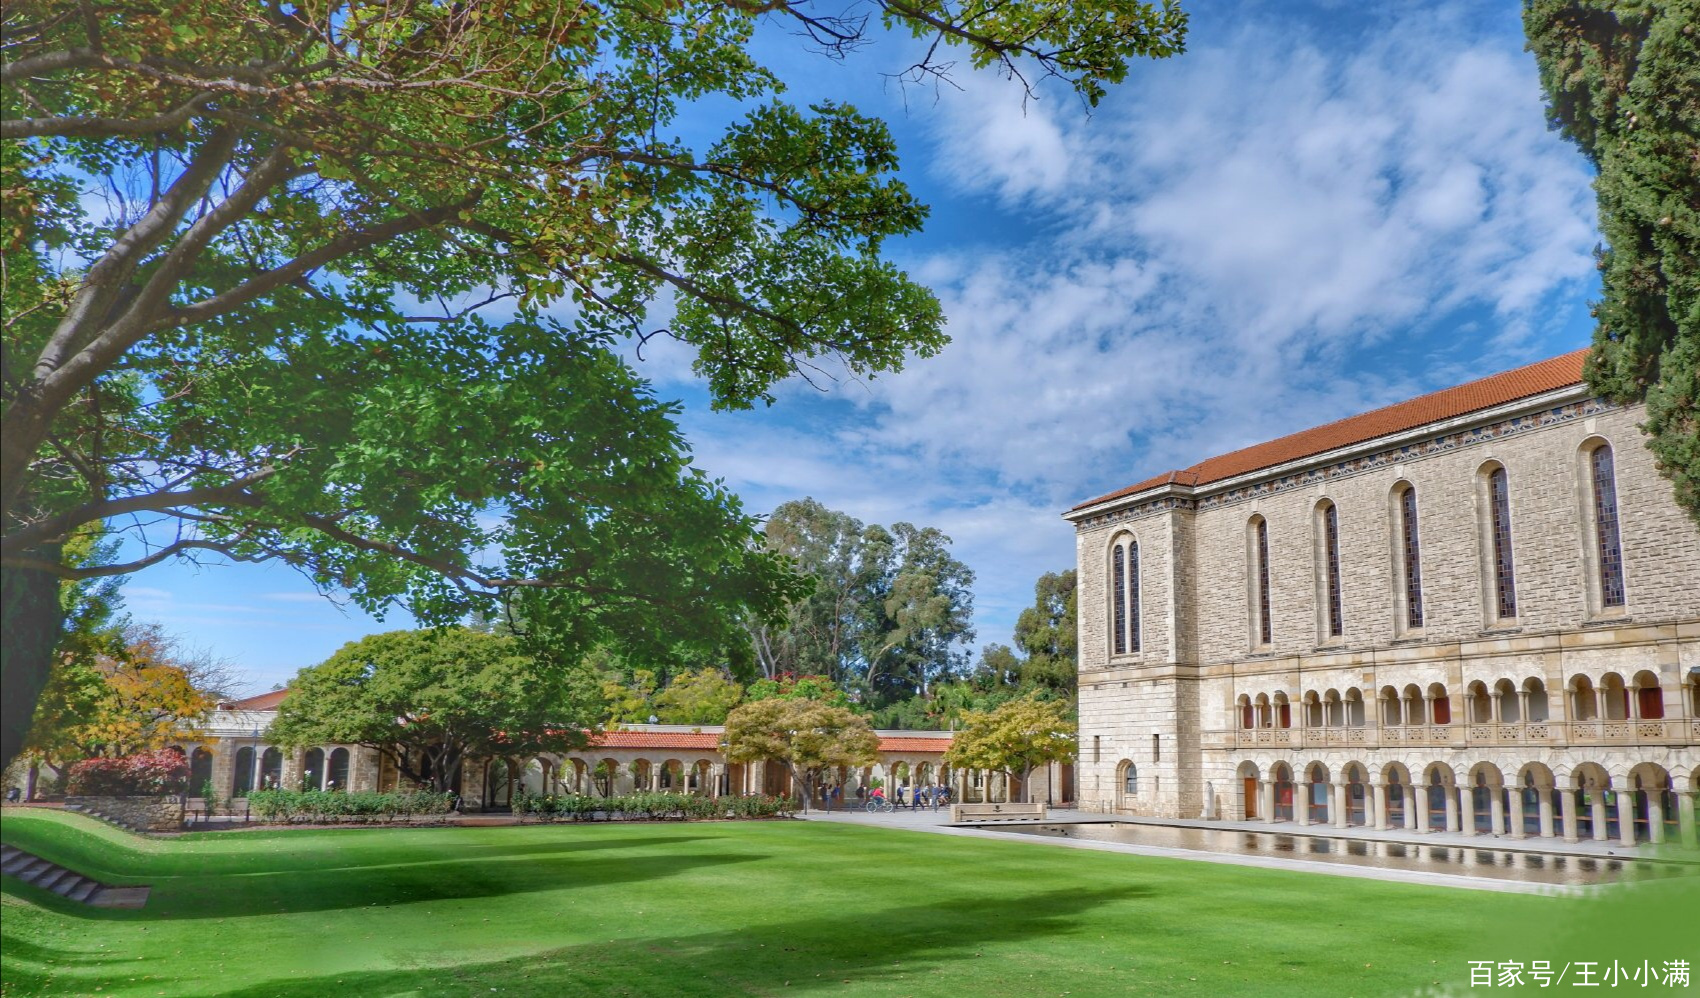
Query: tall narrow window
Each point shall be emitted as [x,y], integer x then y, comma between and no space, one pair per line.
[1264,630]
[1605,527]
[1504,579]
[1331,566]
[1118,602]
[1133,596]
[1413,558]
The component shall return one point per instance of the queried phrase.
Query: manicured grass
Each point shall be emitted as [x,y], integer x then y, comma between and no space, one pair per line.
[761,908]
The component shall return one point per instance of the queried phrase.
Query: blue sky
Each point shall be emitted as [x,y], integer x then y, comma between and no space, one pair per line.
[1317,210]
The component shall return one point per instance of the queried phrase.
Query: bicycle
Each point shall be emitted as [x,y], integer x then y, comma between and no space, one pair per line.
[878,804]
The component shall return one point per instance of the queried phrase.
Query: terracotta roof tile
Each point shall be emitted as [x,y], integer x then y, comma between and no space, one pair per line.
[709,740]
[265,701]
[1498,389]
[889,743]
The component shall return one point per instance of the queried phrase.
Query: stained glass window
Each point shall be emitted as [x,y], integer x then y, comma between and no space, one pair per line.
[1263,626]
[1133,596]
[1504,578]
[1331,544]
[1413,559]
[1605,528]
[1118,602]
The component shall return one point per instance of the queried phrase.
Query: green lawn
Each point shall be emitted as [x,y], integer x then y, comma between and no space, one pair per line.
[713,909]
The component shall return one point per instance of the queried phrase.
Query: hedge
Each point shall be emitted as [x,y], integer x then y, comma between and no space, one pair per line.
[646,806]
[321,807]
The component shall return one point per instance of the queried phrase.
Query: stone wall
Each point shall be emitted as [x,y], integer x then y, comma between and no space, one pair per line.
[142,814]
[1201,650]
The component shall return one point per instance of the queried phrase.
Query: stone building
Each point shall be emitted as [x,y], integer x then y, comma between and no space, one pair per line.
[1477,610]
[235,756]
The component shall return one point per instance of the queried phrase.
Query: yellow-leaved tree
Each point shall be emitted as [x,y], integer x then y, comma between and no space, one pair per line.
[1015,738]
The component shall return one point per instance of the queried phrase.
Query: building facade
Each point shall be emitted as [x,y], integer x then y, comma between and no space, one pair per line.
[1477,611]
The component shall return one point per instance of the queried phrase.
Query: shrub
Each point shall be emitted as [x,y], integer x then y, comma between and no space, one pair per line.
[320,807]
[646,806]
[143,774]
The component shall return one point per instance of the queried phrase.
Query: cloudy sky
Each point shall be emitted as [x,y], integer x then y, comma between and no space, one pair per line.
[1314,211]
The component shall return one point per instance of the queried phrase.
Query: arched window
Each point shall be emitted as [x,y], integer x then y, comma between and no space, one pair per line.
[1330,529]
[1261,625]
[1606,546]
[1133,595]
[242,777]
[1499,533]
[1124,597]
[1118,600]
[336,770]
[200,769]
[1130,780]
[1410,556]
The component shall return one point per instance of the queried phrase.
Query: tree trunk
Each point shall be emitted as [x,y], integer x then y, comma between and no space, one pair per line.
[30,623]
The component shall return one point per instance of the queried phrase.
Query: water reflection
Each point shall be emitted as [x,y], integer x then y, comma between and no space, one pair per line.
[1498,864]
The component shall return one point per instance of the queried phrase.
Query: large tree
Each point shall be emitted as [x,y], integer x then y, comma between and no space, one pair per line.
[810,738]
[889,611]
[1014,738]
[1622,79]
[430,700]
[1046,632]
[338,284]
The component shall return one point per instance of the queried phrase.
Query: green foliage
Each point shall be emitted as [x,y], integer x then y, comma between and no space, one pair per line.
[430,699]
[1015,738]
[790,687]
[354,299]
[705,696]
[647,806]
[1622,79]
[888,612]
[808,737]
[322,807]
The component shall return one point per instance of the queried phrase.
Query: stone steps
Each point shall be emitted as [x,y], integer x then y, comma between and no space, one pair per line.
[38,872]
[115,822]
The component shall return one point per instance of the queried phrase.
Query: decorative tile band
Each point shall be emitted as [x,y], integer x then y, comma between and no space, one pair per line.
[1359,465]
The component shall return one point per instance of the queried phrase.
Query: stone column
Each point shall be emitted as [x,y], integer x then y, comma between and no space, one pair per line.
[1266,791]
[1498,712]
[1301,804]
[1419,806]
[1543,801]
[1597,815]
[1410,808]
[1466,811]
[1567,811]
[1516,829]
[1655,816]
[1452,808]
[1626,816]
[1496,810]
[1342,806]
[1378,799]
[1686,825]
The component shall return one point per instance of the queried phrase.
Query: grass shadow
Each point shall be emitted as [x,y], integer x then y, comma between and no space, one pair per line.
[906,945]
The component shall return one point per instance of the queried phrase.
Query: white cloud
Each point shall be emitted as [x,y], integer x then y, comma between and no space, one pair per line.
[1239,235]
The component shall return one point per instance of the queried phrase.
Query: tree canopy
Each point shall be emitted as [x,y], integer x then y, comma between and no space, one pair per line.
[340,284]
[428,700]
[808,737]
[889,612]
[1622,79]
[1016,737]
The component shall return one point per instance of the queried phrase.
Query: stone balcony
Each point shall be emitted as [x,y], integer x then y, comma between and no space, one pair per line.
[1669,731]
